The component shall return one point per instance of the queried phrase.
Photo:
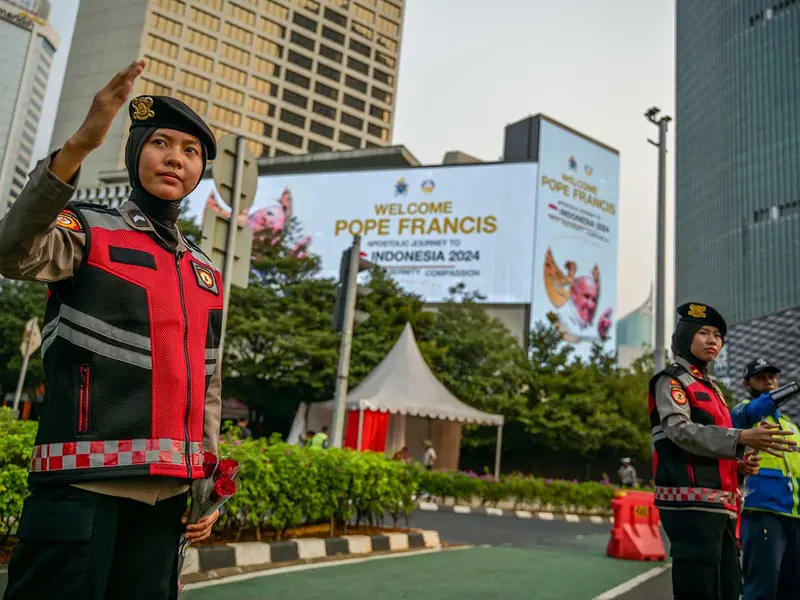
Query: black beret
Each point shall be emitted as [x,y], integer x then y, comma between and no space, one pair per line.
[760,365]
[164,112]
[695,312]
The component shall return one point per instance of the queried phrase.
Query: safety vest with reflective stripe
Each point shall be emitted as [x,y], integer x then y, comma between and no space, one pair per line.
[683,479]
[130,343]
[775,488]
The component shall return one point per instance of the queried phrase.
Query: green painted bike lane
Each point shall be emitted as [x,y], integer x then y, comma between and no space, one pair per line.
[475,573]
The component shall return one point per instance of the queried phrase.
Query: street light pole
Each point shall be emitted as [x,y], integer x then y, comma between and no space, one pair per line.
[661,236]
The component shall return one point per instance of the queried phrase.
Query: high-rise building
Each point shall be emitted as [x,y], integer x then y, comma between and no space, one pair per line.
[27,45]
[293,76]
[737,120]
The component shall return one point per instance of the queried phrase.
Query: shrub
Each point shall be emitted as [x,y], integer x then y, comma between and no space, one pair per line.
[16,446]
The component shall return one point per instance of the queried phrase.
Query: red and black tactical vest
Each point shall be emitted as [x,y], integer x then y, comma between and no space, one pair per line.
[683,479]
[129,344]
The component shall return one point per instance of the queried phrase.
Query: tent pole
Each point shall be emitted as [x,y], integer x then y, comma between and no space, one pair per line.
[498,451]
[360,428]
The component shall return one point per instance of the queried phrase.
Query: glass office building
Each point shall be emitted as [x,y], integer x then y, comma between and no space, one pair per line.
[737,127]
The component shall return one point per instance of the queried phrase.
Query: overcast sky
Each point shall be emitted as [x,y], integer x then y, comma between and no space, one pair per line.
[470,67]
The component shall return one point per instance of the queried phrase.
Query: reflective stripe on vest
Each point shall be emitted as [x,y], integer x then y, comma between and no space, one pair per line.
[112,453]
[693,494]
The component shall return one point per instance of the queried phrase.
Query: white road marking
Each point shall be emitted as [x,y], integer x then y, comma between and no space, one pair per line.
[627,586]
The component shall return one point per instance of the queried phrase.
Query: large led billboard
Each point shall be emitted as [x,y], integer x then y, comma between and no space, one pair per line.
[577,228]
[431,228]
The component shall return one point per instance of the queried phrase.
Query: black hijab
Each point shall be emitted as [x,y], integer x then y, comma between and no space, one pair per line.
[682,343]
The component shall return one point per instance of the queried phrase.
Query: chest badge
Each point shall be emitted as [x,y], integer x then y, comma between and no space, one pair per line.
[205,278]
[678,396]
[68,220]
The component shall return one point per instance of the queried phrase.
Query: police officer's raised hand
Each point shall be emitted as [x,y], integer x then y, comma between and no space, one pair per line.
[95,127]
[768,438]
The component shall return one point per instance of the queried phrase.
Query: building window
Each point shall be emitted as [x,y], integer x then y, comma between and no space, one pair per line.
[219,132]
[389,27]
[380,113]
[201,39]
[266,46]
[354,102]
[356,84]
[196,104]
[325,110]
[293,118]
[336,17]
[363,13]
[203,18]
[162,46]
[195,82]
[165,25]
[360,48]
[330,53]
[383,77]
[349,140]
[385,59]
[242,14]
[257,148]
[309,5]
[381,95]
[357,65]
[258,127]
[390,45]
[328,72]
[260,107]
[151,88]
[316,147]
[362,30]
[235,54]
[287,137]
[322,129]
[333,35]
[300,60]
[232,74]
[227,94]
[352,121]
[266,67]
[297,79]
[378,132]
[271,28]
[305,22]
[229,117]
[160,68]
[238,34]
[295,98]
[262,86]
[302,41]
[390,9]
[327,91]
[173,6]
[276,10]
[197,60]
[212,4]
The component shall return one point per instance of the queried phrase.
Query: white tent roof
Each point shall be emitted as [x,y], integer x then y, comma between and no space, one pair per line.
[403,384]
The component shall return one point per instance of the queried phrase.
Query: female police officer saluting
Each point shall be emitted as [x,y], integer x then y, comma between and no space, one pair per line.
[697,459]
[130,344]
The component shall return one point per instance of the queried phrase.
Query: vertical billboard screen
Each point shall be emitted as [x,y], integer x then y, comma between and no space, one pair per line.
[575,257]
[431,228]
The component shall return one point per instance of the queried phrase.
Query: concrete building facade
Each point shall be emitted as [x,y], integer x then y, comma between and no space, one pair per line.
[293,76]
[27,45]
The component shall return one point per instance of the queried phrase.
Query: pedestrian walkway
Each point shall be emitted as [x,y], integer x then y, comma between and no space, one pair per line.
[475,573]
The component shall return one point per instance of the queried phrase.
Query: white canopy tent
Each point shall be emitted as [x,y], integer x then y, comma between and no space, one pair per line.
[420,406]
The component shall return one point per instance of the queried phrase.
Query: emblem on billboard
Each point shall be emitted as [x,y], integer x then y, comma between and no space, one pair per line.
[573,164]
[401,187]
[588,170]
[576,298]
[428,186]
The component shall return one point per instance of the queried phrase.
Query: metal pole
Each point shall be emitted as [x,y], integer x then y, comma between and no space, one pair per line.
[340,395]
[498,450]
[661,250]
[360,429]
[233,227]
[21,380]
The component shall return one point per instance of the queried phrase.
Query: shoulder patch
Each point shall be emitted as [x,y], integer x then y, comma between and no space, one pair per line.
[68,220]
[678,395]
[695,371]
[674,383]
[205,278]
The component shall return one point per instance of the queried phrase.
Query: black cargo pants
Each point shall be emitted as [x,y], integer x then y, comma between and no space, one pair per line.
[705,555]
[79,545]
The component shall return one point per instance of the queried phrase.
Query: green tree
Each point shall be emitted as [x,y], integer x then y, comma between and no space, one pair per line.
[19,301]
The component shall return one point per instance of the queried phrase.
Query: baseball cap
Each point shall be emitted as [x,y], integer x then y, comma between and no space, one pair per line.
[758,366]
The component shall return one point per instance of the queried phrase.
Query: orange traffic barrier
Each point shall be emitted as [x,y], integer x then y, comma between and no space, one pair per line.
[636,534]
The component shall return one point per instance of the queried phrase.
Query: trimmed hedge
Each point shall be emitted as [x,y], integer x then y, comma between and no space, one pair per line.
[283,486]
